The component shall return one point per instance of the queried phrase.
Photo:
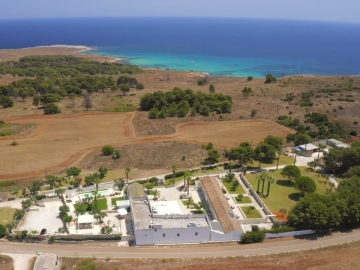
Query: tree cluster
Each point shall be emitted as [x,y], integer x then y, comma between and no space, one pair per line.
[178,102]
[62,65]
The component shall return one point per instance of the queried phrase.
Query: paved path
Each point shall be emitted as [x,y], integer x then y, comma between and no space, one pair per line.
[191,251]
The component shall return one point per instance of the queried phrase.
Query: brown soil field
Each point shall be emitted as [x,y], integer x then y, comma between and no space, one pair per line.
[63,140]
[6,262]
[337,257]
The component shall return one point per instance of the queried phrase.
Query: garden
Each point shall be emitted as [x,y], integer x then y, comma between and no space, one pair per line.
[282,194]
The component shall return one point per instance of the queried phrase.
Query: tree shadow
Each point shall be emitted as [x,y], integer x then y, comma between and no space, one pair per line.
[294,196]
[313,236]
[285,183]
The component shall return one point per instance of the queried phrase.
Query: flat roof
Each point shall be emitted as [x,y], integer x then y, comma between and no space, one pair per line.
[143,219]
[85,219]
[123,203]
[220,205]
[308,146]
[334,141]
[343,145]
[166,208]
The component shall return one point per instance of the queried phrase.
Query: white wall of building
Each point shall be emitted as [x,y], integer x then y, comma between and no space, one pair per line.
[172,236]
[218,236]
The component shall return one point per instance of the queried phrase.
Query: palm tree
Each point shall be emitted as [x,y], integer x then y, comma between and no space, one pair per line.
[156,194]
[97,180]
[187,174]
[264,176]
[271,179]
[321,147]
[127,171]
[261,156]
[231,164]
[297,152]
[100,216]
[95,197]
[278,156]
[174,168]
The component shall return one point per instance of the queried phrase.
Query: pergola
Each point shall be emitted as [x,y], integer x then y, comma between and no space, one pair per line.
[85,222]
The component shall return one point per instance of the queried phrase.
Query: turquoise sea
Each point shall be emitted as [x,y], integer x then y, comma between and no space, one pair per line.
[219,46]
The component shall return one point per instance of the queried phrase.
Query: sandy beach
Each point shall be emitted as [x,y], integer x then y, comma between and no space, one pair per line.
[78,50]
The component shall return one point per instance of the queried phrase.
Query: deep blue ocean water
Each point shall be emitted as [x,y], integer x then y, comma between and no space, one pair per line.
[219,46]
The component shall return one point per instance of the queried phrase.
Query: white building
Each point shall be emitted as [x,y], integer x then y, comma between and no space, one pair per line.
[224,224]
[162,222]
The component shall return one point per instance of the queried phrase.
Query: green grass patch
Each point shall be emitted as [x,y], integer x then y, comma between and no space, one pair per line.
[238,190]
[114,200]
[6,215]
[282,192]
[245,199]
[251,213]
[186,202]
[284,160]
[122,108]
[4,133]
[102,205]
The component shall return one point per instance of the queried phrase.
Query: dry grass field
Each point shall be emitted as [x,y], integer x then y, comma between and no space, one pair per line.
[61,141]
[6,262]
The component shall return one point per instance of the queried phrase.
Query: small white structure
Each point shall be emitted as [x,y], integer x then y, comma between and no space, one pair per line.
[337,144]
[123,204]
[85,222]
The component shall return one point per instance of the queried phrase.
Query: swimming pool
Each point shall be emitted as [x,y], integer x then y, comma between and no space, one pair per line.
[104,192]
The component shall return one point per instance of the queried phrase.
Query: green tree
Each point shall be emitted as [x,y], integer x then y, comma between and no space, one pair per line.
[36,101]
[107,150]
[230,165]
[81,208]
[2,231]
[174,168]
[250,78]
[154,113]
[127,172]
[302,138]
[73,171]
[103,171]
[119,183]
[51,180]
[6,102]
[271,180]
[305,185]
[274,141]
[212,88]
[270,78]
[87,103]
[117,154]
[140,86]
[51,108]
[72,96]
[253,112]
[125,88]
[213,157]
[267,149]
[291,172]
[246,92]
[312,165]
[97,180]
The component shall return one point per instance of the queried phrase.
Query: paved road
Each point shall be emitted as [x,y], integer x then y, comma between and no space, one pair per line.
[190,251]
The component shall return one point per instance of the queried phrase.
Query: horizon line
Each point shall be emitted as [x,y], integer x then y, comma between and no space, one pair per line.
[181,17]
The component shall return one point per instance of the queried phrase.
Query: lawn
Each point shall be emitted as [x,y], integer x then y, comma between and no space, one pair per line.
[252,213]
[245,199]
[239,189]
[282,192]
[114,200]
[284,160]
[6,215]
[102,205]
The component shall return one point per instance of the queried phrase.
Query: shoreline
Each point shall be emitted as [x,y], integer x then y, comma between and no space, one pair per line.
[82,51]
